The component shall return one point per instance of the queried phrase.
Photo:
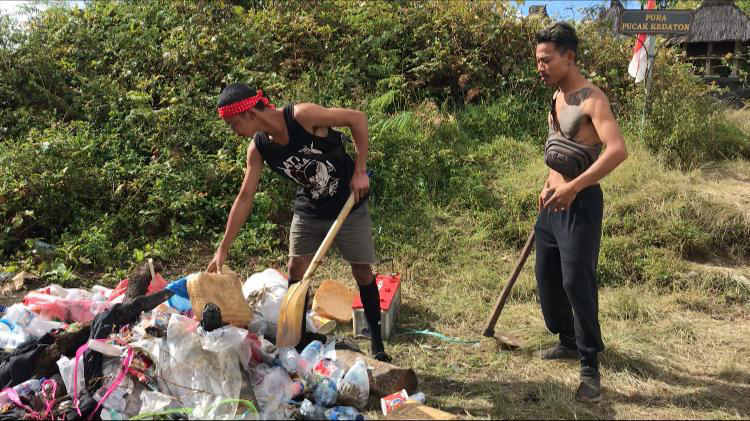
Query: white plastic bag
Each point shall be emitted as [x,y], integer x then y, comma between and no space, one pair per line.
[265,290]
[66,367]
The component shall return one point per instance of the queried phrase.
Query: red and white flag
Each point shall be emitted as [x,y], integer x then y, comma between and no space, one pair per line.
[644,46]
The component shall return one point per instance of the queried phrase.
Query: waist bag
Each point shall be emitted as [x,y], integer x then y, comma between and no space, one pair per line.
[564,154]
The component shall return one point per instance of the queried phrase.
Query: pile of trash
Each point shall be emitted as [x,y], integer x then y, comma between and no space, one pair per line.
[101,353]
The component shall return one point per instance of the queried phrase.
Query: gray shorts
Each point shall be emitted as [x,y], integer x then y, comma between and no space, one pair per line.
[354,239]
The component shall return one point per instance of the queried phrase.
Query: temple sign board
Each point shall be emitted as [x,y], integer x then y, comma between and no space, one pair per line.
[653,22]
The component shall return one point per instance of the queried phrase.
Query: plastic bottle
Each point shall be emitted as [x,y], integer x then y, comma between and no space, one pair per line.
[308,357]
[289,359]
[343,413]
[24,389]
[310,411]
[11,335]
[311,353]
[20,315]
[325,393]
[419,397]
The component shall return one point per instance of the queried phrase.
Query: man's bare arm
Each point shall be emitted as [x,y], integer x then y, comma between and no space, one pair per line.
[609,132]
[241,208]
[313,115]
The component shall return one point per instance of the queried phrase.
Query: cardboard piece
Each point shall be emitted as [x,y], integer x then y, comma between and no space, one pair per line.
[411,410]
[334,301]
[223,289]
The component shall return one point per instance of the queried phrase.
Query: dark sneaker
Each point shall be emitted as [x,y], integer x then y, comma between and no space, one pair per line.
[382,356]
[346,343]
[590,389]
[560,352]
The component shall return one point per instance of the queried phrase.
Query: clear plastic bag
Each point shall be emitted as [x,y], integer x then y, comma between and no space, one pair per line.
[202,371]
[272,393]
[354,388]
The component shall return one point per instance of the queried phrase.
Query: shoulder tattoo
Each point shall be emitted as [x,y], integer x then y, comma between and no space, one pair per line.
[577,97]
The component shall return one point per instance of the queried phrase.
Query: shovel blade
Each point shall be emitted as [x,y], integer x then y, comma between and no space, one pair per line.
[291,314]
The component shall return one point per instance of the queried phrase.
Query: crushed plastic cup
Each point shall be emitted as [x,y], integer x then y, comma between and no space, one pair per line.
[417,397]
[394,400]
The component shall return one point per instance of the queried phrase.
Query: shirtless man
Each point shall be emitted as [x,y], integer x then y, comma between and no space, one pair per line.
[568,229]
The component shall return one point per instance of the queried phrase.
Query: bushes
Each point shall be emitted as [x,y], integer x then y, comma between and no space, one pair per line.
[112,149]
[686,126]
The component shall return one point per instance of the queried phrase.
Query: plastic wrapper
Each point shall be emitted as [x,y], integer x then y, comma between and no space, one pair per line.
[66,366]
[272,392]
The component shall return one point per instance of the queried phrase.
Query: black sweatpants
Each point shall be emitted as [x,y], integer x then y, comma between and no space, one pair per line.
[567,252]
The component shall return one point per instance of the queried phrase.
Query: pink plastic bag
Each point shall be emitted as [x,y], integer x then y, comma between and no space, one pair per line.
[157,284]
[57,308]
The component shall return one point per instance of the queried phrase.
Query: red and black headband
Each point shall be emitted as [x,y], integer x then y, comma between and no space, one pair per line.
[241,106]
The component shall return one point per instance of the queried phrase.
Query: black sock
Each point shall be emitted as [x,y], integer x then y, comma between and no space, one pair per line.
[371,303]
[568,341]
[590,365]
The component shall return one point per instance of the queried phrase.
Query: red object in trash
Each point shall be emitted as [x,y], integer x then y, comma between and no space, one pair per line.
[157,284]
[388,286]
[389,289]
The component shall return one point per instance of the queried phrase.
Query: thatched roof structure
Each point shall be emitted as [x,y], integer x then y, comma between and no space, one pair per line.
[538,10]
[614,14]
[719,21]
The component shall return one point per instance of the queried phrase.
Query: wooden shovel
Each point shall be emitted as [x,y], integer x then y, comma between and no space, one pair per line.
[489,327]
[289,329]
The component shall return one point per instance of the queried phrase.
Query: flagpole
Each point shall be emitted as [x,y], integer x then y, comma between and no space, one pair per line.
[649,71]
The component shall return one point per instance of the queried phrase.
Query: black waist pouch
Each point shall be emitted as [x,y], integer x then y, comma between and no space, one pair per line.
[567,157]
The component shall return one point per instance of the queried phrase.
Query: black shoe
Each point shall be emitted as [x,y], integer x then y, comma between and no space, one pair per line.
[346,344]
[560,352]
[382,356]
[590,389]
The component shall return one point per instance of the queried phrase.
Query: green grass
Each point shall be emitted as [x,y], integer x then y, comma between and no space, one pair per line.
[676,327]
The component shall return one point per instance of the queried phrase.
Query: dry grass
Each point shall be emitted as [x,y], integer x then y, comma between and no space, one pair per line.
[740,118]
[671,353]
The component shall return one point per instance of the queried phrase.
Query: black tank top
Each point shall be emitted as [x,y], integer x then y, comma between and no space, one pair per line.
[319,165]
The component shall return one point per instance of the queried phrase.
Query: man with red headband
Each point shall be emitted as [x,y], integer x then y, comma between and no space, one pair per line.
[298,142]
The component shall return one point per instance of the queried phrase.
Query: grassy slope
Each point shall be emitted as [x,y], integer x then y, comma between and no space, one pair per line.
[675,348]
[676,323]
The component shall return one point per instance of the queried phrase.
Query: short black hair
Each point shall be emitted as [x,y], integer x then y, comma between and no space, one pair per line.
[237,92]
[562,34]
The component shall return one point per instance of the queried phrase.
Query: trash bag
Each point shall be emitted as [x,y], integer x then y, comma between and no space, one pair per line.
[354,388]
[265,290]
[202,369]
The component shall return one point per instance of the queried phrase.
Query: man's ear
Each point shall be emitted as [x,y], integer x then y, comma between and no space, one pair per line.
[571,55]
